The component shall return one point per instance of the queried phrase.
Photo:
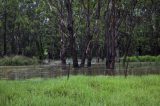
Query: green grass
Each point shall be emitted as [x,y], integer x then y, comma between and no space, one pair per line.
[82,91]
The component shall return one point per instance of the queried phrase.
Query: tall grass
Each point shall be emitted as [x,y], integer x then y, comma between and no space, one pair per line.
[82,91]
[17,61]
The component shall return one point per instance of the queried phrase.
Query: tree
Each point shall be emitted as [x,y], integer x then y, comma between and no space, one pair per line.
[72,35]
[112,21]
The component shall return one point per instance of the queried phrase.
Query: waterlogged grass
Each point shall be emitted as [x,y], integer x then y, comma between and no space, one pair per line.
[82,91]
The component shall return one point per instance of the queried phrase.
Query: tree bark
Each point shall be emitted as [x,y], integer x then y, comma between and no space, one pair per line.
[130,24]
[12,43]
[110,41]
[63,51]
[87,51]
[70,28]
[97,30]
[5,31]
[63,39]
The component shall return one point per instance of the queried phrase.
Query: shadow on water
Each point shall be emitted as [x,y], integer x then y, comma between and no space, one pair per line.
[53,71]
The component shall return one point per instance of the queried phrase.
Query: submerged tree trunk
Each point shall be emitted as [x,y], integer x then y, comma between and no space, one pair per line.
[130,24]
[63,39]
[112,21]
[72,42]
[85,53]
[83,59]
[110,38]
[89,36]
[97,30]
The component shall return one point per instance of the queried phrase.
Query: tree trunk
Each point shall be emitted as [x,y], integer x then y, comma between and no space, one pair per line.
[83,58]
[110,42]
[63,50]
[12,43]
[72,45]
[130,24]
[63,39]
[19,40]
[89,36]
[89,57]
[97,30]
[87,47]
[5,31]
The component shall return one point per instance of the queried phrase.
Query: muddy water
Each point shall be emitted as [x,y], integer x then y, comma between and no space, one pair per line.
[52,71]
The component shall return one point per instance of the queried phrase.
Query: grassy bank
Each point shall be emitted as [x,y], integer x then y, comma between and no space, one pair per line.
[82,91]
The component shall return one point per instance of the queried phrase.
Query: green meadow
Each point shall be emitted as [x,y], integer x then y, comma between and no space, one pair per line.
[82,91]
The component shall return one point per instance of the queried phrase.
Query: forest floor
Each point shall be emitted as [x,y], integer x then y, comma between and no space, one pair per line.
[82,91]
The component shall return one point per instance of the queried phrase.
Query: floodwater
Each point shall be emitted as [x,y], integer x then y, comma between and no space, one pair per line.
[53,71]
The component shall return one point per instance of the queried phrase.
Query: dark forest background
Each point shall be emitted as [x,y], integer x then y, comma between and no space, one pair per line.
[79,29]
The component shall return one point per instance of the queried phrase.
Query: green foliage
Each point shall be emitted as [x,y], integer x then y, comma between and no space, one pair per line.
[158,58]
[132,59]
[146,58]
[18,61]
[82,91]
[33,26]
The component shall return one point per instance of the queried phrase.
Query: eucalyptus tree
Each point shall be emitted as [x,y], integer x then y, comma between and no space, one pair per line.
[57,9]
[111,33]
[120,21]
[71,33]
[97,27]
[88,35]
[91,10]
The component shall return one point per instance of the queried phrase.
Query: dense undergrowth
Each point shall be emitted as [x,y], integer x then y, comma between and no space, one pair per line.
[82,91]
[18,61]
[146,58]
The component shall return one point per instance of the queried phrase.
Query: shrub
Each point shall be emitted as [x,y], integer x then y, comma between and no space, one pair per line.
[18,61]
[132,59]
[158,59]
[145,58]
